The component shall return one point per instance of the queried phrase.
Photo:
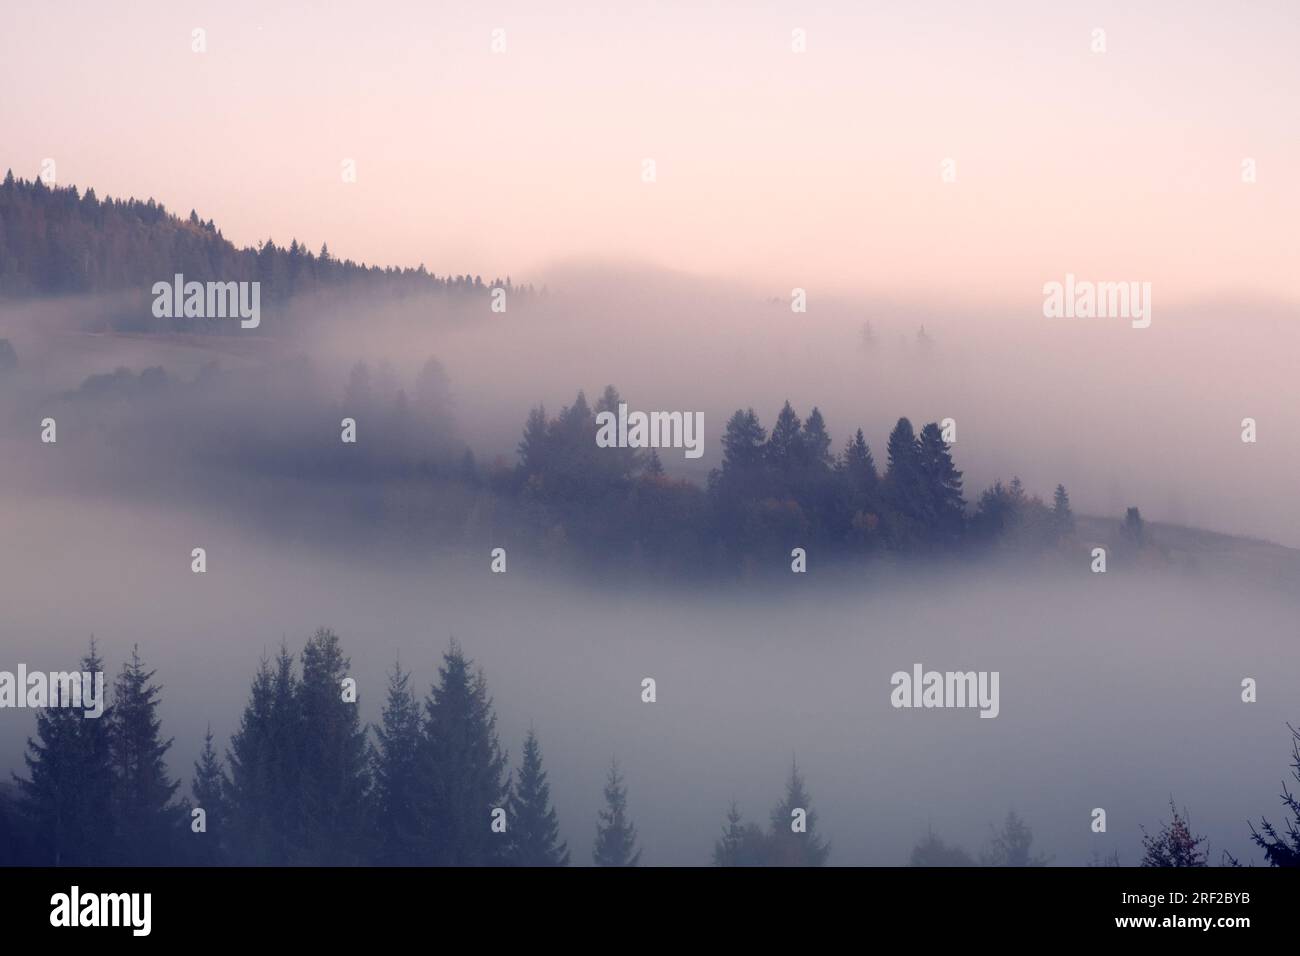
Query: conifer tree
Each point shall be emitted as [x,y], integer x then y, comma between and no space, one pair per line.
[208,787]
[785,449]
[1062,516]
[67,798]
[945,509]
[741,844]
[654,468]
[1174,845]
[1010,846]
[815,442]
[1283,849]
[334,779]
[466,767]
[932,851]
[859,466]
[615,834]
[251,811]
[397,774]
[789,847]
[904,485]
[743,442]
[148,821]
[533,828]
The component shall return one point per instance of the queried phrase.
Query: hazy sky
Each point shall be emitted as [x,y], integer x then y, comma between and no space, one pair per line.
[818,170]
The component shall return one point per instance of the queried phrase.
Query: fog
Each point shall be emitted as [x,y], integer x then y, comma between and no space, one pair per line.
[1117,690]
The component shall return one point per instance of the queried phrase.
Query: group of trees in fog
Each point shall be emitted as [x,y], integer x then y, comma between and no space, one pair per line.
[304,782]
[55,239]
[774,491]
[565,497]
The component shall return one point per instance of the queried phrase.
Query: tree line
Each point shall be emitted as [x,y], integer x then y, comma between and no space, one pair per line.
[773,491]
[57,240]
[303,782]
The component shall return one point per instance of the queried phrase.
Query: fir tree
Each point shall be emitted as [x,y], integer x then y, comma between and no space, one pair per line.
[208,786]
[397,770]
[788,847]
[615,834]
[743,442]
[333,780]
[1010,846]
[67,799]
[1062,516]
[533,828]
[932,851]
[785,448]
[253,779]
[1174,845]
[1283,849]
[815,442]
[148,820]
[466,767]
[741,844]
[945,509]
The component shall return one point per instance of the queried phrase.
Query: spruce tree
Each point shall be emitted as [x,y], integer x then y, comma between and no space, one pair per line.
[396,759]
[67,798]
[253,779]
[904,487]
[149,821]
[1062,516]
[1174,845]
[788,847]
[1010,846]
[741,844]
[859,467]
[615,834]
[533,828]
[465,765]
[743,442]
[932,851]
[815,442]
[1283,849]
[785,449]
[334,777]
[208,787]
[945,509]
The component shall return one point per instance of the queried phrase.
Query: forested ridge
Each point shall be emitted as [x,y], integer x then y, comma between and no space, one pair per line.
[57,240]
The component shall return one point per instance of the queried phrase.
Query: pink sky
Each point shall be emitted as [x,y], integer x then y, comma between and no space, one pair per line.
[819,170]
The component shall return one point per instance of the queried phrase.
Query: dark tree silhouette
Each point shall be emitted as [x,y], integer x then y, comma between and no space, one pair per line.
[1174,845]
[1283,848]
[787,847]
[149,822]
[932,851]
[67,798]
[208,787]
[741,844]
[534,830]
[1011,845]
[615,834]
[465,768]
[397,774]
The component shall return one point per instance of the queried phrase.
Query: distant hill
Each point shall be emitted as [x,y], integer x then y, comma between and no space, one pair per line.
[1205,552]
[56,240]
